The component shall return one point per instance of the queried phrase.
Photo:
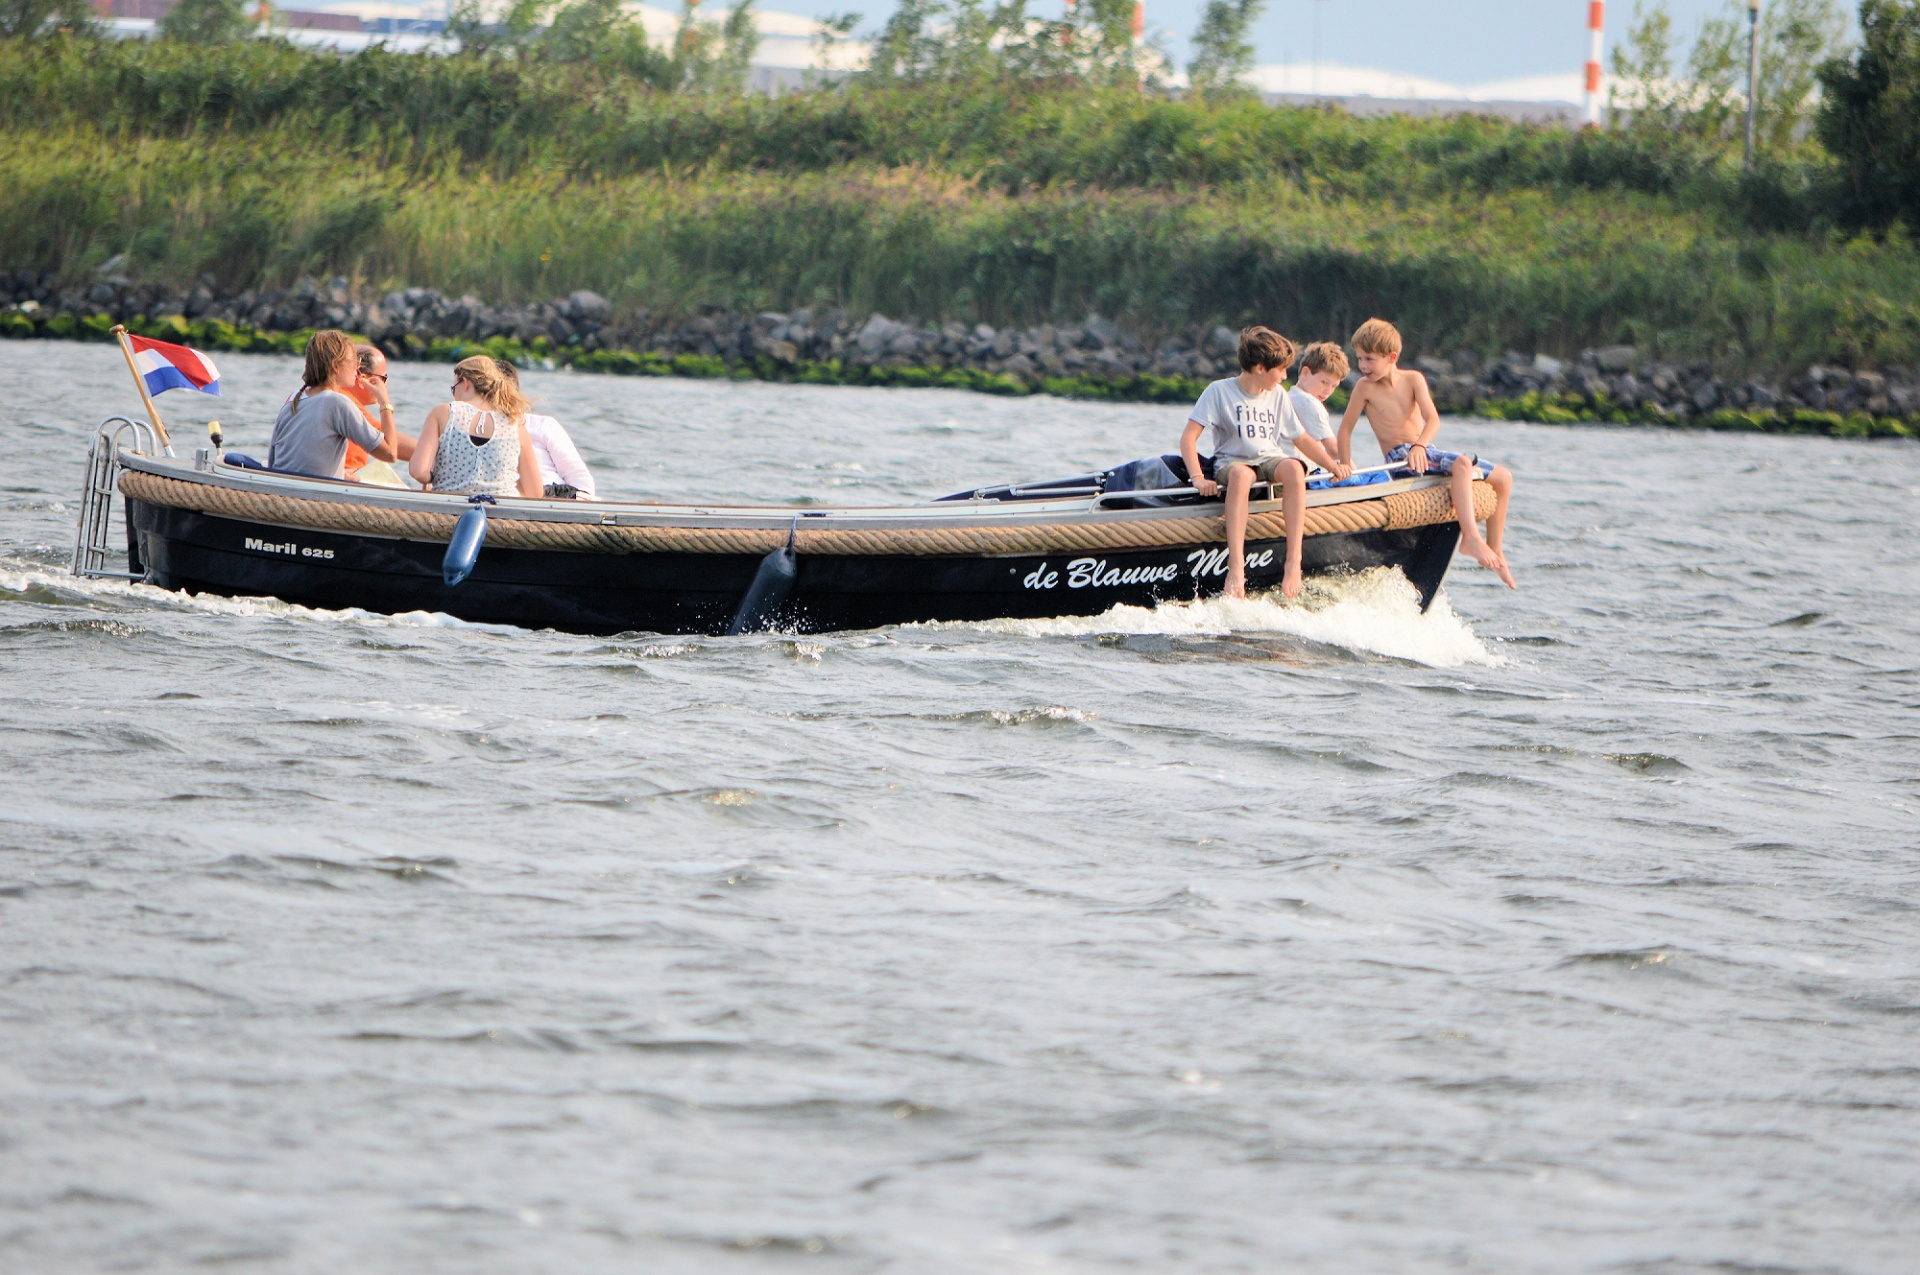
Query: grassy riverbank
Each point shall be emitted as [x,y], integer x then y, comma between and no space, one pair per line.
[258,163]
[1528,268]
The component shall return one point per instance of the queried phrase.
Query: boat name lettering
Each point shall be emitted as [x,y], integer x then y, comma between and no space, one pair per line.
[1090,573]
[1041,578]
[1213,562]
[290,549]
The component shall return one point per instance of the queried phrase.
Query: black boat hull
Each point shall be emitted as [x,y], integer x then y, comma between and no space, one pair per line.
[600,593]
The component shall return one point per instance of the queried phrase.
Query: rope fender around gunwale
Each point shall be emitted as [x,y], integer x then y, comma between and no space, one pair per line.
[1402,509]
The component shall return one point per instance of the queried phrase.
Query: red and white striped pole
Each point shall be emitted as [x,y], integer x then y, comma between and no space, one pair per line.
[1596,33]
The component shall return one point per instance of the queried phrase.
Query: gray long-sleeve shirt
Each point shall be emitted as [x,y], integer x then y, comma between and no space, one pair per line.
[310,435]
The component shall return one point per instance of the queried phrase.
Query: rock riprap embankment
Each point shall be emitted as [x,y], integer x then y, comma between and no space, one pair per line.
[1094,358]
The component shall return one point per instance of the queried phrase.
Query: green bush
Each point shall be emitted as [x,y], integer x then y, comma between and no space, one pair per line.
[1816,422]
[32,19]
[205,21]
[698,365]
[1870,116]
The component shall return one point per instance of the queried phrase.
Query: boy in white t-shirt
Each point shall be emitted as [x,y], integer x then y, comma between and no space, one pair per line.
[1323,365]
[1256,438]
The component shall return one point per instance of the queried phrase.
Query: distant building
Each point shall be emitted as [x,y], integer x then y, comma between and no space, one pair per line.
[403,26]
[1363,104]
[294,19]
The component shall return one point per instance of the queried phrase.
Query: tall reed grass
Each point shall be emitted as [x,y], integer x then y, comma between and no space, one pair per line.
[1015,137]
[1528,269]
[258,163]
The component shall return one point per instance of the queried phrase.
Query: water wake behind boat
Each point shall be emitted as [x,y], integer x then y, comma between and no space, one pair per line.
[49,586]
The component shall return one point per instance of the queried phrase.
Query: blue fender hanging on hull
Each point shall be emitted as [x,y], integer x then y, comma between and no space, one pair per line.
[772,583]
[464,549]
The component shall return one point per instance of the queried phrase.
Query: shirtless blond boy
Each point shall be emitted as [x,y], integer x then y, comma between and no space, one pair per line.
[1399,407]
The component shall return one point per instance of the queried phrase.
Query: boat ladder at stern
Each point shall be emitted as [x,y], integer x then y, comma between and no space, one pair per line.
[94,535]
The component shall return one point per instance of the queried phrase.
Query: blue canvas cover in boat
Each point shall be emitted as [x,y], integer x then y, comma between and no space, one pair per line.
[1154,473]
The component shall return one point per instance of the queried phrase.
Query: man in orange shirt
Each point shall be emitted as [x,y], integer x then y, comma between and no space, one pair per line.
[373,367]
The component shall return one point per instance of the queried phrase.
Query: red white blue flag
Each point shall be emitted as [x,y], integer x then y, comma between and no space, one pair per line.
[173,367]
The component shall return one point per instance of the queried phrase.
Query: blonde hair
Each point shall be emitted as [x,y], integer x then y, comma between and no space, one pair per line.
[491,382]
[1324,356]
[325,349]
[1377,336]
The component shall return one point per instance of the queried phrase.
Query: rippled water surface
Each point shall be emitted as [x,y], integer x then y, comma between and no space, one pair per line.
[1572,929]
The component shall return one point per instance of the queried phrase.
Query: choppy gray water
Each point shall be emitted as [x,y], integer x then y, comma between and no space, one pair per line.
[1574,929]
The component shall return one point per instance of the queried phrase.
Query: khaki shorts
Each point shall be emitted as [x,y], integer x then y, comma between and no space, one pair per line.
[1263,469]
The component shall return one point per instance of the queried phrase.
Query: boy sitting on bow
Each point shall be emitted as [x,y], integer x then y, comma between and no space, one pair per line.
[1399,407]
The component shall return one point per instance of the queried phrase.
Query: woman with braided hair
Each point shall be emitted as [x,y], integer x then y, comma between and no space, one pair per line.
[478,444]
[318,423]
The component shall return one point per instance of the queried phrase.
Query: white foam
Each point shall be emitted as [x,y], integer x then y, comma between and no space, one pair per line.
[1375,611]
[147,596]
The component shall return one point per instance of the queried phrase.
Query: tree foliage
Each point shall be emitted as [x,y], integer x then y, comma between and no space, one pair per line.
[1222,53]
[704,57]
[30,18]
[1643,79]
[1707,100]
[603,34]
[1870,118]
[970,40]
[205,21]
[517,27]
[709,59]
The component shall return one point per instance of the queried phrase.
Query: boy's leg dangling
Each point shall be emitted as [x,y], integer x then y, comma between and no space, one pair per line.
[1239,486]
[1293,509]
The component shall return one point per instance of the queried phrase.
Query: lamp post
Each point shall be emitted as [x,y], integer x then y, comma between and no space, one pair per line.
[1753,75]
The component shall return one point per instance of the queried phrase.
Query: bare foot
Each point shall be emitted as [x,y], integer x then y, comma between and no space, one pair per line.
[1236,585]
[1290,581]
[1490,558]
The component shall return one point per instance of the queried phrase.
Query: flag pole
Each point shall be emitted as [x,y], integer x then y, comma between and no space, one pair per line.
[139,382]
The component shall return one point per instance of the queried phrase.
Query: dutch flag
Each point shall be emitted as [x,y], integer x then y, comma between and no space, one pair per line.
[173,367]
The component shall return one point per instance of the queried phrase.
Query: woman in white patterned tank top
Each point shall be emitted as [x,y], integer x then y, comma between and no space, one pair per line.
[478,444]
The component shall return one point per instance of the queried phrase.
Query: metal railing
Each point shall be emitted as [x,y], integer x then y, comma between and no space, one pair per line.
[1313,476]
[94,534]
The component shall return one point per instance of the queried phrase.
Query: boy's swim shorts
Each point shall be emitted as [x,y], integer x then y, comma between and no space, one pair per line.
[1439,462]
